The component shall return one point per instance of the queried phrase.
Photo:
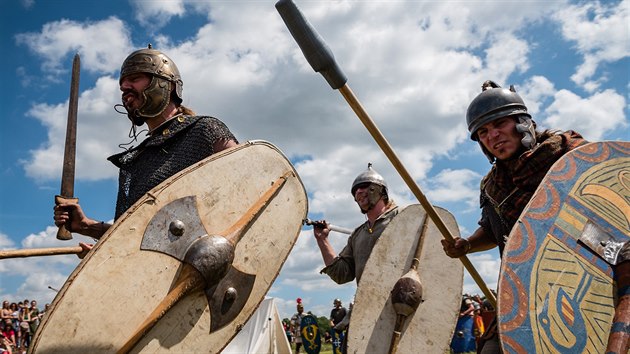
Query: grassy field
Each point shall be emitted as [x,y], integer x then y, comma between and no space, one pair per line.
[326,349]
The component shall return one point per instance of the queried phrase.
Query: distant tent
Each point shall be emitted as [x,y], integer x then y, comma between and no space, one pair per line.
[263,333]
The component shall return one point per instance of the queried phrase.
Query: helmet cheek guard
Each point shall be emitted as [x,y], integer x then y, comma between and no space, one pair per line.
[164,75]
[527,127]
[156,97]
[377,186]
[375,193]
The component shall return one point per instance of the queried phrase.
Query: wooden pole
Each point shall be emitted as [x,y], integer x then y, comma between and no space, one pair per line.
[36,252]
[189,280]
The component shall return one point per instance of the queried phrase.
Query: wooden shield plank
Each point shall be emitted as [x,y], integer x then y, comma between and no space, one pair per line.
[373,318]
[117,285]
[556,296]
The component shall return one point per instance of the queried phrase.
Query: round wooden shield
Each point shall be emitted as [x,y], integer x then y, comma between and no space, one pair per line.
[555,294]
[120,282]
[430,327]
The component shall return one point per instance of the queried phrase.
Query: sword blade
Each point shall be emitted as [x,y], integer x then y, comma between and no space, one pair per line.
[67,175]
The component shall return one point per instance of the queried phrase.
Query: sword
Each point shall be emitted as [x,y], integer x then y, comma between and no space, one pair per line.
[67,175]
[322,60]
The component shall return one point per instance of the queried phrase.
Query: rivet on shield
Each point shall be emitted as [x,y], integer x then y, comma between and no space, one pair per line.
[177,227]
[230,294]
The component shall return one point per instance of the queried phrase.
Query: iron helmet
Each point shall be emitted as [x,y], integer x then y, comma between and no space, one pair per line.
[377,188]
[368,176]
[337,301]
[164,74]
[492,103]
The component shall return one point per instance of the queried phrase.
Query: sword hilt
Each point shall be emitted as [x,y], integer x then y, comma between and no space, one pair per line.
[63,233]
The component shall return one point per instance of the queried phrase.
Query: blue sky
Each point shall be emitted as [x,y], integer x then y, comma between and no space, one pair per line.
[414,65]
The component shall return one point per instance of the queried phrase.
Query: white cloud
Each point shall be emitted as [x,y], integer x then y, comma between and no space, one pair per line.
[507,55]
[455,186]
[58,41]
[27,3]
[593,116]
[5,241]
[155,14]
[600,32]
[99,131]
[487,265]
[535,91]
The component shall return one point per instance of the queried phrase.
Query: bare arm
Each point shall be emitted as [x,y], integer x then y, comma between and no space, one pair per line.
[72,216]
[321,235]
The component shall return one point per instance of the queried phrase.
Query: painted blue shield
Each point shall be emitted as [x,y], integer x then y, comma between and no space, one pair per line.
[555,294]
[463,339]
[311,338]
[336,340]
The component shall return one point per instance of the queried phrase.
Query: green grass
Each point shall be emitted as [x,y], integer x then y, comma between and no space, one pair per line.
[326,349]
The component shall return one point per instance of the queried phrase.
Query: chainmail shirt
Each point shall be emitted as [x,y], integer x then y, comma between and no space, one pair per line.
[179,143]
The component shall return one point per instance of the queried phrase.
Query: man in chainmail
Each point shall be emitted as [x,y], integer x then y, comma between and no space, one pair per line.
[151,89]
[520,156]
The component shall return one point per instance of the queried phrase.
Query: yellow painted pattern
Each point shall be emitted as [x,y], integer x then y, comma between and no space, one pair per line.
[605,189]
[573,306]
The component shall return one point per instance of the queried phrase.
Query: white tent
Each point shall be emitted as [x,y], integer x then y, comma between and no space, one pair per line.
[263,333]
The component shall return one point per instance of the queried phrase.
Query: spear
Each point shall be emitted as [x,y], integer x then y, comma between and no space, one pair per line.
[320,57]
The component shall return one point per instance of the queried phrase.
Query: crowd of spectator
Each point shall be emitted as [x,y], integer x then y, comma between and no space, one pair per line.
[18,322]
